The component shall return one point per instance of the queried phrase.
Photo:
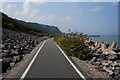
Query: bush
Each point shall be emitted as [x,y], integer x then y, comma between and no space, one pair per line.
[73,46]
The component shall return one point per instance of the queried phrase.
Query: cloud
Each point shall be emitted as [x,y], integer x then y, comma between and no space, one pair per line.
[10,6]
[29,11]
[114,3]
[1,6]
[97,8]
[51,19]
[68,18]
[30,6]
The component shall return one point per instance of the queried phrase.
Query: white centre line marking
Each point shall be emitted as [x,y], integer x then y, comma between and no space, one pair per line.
[29,66]
[80,74]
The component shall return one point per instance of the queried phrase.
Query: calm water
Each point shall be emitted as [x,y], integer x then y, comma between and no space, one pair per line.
[110,39]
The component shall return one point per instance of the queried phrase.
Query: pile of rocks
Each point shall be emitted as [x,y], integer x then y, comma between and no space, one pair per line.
[15,45]
[105,56]
[102,47]
[109,62]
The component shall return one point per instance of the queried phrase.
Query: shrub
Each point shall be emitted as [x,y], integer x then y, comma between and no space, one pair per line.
[73,45]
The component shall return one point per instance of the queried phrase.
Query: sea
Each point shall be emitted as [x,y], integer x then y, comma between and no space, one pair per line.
[105,38]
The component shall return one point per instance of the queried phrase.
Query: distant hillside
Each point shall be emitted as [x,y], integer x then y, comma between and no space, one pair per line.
[34,28]
[47,28]
[13,24]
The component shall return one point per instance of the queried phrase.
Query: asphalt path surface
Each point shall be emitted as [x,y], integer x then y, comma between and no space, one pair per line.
[51,63]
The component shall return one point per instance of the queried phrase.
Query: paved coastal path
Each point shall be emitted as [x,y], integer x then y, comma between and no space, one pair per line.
[51,62]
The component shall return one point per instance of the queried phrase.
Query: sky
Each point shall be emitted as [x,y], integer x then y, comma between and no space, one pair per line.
[87,17]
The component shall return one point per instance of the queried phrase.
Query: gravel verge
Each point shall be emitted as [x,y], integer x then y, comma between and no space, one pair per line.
[90,69]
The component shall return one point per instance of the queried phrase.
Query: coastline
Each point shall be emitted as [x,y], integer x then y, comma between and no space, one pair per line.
[105,38]
[105,61]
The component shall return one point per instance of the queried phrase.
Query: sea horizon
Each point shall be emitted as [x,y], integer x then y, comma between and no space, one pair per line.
[105,38]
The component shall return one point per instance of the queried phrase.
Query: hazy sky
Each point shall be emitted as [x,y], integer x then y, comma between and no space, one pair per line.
[86,17]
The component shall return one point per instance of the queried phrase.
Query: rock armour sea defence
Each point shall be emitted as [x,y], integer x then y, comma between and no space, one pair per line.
[105,56]
[15,45]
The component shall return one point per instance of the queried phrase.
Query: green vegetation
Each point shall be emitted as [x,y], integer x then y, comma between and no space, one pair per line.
[16,25]
[47,28]
[9,23]
[73,45]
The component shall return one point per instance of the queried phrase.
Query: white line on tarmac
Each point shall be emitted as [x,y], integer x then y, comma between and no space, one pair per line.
[80,74]
[29,66]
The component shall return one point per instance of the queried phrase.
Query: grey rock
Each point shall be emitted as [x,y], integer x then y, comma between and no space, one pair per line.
[5,64]
[113,57]
[103,57]
[117,71]
[96,43]
[110,62]
[15,44]
[16,59]
[106,64]
[99,46]
[118,76]
[94,59]
[12,64]
[113,68]
[98,63]
[113,45]
[97,55]
[118,68]
[111,73]
[104,46]
[115,64]
[14,52]
[99,51]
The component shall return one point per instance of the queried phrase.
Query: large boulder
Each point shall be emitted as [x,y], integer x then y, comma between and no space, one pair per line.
[12,64]
[104,47]
[14,52]
[17,58]
[97,55]
[115,64]
[96,43]
[99,46]
[113,57]
[16,47]
[103,57]
[106,64]
[94,59]
[113,45]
